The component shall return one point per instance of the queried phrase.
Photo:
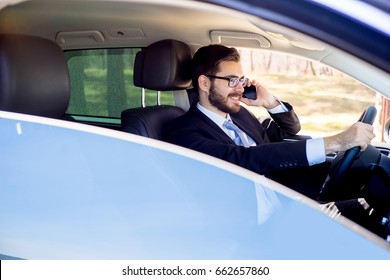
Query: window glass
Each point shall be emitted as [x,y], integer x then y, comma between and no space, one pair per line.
[325,100]
[102,83]
[75,194]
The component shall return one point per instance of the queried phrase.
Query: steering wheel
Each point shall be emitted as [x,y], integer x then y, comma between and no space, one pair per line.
[343,162]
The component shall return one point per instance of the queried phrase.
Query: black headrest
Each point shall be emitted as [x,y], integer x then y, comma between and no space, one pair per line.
[34,77]
[163,65]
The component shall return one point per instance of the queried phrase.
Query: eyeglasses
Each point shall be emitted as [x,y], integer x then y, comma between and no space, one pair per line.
[233,81]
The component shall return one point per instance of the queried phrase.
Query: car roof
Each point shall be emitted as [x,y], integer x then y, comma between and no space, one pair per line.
[311,29]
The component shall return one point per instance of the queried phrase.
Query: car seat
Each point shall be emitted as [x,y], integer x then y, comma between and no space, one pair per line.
[162,66]
[34,77]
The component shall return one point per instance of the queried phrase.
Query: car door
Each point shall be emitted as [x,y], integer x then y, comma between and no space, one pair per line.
[72,191]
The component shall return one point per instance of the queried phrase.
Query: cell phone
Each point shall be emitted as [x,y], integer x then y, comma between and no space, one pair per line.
[250,92]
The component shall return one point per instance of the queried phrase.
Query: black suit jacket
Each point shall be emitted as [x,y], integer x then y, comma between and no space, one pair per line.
[196,131]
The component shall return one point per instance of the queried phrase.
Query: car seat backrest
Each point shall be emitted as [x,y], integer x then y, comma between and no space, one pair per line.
[150,121]
[34,77]
[162,66]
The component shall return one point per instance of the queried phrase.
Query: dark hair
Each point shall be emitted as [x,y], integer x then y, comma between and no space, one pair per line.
[207,59]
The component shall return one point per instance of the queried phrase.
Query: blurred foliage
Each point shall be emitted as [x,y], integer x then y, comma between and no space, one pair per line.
[102,83]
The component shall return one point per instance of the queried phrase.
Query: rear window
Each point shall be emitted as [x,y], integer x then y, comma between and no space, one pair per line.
[102,83]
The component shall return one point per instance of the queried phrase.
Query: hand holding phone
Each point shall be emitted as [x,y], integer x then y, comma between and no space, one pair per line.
[250,92]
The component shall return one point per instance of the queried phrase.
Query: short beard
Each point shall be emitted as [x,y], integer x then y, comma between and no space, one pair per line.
[220,102]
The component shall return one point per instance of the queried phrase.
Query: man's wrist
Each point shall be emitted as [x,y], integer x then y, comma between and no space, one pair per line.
[274,102]
[331,145]
[279,108]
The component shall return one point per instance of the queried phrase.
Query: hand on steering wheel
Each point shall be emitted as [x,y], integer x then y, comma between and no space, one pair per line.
[343,161]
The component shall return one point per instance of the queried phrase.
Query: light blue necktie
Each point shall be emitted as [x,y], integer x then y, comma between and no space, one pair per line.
[240,138]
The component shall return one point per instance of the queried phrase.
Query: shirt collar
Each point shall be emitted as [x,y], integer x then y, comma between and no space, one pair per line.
[219,120]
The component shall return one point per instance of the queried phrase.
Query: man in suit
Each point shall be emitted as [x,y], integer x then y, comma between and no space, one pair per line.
[219,126]
[218,78]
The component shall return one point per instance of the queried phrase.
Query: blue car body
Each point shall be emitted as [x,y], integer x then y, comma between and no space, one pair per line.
[77,192]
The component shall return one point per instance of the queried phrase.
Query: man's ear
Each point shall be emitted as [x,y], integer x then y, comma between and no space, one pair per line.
[204,83]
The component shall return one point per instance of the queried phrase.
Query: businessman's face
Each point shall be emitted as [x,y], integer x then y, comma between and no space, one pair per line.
[222,96]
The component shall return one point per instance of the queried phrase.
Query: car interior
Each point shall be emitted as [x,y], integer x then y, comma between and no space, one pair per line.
[35,79]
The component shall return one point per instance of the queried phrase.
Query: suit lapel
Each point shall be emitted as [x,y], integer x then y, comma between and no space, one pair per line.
[243,119]
[250,125]
[206,124]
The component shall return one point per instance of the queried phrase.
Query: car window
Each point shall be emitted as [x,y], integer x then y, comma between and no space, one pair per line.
[102,83]
[325,100]
[127,198]
[102,87]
